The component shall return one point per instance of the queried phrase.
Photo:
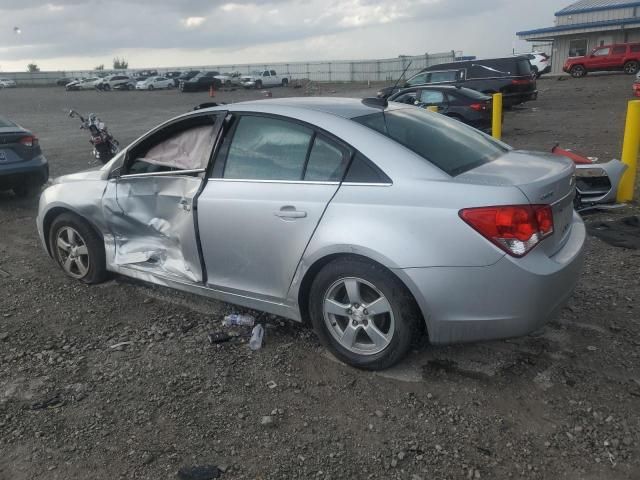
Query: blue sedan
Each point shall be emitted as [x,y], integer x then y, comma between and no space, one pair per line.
[23,167]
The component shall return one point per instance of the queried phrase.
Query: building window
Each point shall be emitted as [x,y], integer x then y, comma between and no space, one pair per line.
[578,47]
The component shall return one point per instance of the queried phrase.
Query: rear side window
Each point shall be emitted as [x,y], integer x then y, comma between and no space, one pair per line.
[419,79]
[635,48]
[449,145]
[265,148]
[619,50]
[4,122]
[327,161]
[362,170]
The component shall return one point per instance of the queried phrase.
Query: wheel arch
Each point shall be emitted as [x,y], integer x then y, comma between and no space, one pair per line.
[54,213]
[312,271]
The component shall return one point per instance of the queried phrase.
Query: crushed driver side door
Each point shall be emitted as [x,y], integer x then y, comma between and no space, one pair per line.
[150,205]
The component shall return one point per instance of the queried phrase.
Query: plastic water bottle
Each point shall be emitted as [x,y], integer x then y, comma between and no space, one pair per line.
[239,320]
[257,334]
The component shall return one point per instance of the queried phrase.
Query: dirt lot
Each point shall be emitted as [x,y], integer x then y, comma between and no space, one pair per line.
[561,403]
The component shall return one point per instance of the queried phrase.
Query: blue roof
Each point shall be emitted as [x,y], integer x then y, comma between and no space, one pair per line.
[579,26]
[584,6]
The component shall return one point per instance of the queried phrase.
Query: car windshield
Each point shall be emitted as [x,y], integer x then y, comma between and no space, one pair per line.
[448,144]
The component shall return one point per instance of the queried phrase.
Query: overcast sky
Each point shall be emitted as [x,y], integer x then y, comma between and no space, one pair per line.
[80,34]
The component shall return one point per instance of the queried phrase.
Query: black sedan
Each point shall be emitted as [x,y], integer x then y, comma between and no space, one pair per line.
[463,104]
[202,81]
[23,168]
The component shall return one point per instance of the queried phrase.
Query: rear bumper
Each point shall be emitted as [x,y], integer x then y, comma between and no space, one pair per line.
[510,298]
[34,172]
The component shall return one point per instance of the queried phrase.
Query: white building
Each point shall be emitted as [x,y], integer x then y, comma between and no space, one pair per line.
[587,24]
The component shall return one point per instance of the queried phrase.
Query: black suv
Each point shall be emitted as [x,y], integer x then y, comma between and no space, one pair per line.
[511,76]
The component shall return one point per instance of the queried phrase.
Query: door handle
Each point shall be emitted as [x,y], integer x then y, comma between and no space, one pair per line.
[290,211]
[185,205]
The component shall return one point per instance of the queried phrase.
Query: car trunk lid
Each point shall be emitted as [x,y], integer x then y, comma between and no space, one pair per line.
[11,150]
[544,179]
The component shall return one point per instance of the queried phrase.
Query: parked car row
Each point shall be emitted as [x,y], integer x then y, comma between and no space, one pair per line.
[187,81]
[511,76]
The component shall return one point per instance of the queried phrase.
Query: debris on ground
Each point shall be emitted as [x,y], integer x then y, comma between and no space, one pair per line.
[218,337]
[257,336]
[54,401]
[238,320]
[203,472]
[623,232]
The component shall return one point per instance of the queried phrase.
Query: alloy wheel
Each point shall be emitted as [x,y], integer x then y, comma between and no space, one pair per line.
[631,68]
[358,316]
[72,252]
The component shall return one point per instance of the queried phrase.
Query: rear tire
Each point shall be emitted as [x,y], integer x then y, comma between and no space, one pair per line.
[285,82]
[578,71]
[24,191]
[632,67]
[77,249]
[363,339]
[258,84]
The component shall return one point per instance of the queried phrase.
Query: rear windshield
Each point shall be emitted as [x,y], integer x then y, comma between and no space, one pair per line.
[448,144]
[6,123]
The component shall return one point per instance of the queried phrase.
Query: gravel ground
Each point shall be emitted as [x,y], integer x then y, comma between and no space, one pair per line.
[562,403]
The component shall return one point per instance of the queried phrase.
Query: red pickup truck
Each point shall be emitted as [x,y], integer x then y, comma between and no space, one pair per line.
[621,56]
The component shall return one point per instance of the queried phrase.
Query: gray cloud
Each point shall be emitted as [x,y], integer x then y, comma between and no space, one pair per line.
[91,28]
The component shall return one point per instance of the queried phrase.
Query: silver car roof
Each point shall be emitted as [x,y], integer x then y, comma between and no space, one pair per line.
[342,107]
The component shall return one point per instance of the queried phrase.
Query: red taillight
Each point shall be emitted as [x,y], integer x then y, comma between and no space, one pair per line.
[29,141]
[516,229]
[520,81]
[480,107]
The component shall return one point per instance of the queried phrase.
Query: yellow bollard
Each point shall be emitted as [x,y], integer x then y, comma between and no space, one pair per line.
[496,124]
[630,148]
[433,108]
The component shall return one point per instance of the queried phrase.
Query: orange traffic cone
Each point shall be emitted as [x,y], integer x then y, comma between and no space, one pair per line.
[212,91]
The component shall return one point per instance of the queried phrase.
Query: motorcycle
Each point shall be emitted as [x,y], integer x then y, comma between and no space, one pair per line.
[105,147]
[596,183]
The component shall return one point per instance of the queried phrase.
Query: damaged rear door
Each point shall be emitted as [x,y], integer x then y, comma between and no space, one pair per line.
[150,204]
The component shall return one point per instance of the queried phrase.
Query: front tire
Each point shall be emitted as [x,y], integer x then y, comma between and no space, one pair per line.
[362,313]
[578,71]
[632,67]
[77,249]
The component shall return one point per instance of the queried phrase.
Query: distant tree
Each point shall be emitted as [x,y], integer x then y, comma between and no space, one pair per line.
[120,64]
[100,67]
[32,68]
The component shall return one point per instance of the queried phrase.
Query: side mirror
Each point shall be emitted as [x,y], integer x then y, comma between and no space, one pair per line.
[115,173]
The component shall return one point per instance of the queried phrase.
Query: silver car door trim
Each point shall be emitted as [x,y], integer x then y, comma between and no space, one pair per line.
[250,180]
[178,173]
[364,184]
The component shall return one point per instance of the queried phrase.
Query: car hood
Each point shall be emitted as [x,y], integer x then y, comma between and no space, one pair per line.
[92,174]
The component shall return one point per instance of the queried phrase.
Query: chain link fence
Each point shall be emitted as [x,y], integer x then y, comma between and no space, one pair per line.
[333,71]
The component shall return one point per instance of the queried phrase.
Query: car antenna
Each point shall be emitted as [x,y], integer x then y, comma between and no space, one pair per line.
[402,75]
[383,102]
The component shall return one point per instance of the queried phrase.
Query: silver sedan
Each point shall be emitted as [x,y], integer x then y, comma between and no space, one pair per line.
[373,222]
